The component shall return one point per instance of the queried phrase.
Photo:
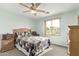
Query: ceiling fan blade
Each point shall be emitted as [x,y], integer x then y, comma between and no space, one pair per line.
[27,11]
[37,5]
[32,4]
[43,11]
[24,5]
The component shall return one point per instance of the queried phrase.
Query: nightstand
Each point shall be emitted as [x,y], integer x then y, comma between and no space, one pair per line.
[7,44]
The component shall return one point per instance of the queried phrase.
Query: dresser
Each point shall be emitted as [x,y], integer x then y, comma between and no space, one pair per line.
[7,43]
[73,41]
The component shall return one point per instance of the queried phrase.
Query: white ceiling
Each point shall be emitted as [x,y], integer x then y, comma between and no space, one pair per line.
[53,8]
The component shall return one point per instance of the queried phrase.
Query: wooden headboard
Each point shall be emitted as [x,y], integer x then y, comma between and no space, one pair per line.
[21,30]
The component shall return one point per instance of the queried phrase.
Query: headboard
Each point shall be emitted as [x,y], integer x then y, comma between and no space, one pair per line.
[21,30]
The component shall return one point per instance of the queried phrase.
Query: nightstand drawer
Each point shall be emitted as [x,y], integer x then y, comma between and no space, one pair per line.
[7,44]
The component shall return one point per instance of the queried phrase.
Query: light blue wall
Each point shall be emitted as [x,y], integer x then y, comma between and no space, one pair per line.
[68,18]
[10,21]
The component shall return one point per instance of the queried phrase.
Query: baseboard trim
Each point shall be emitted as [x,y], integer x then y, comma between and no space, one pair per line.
[60,45]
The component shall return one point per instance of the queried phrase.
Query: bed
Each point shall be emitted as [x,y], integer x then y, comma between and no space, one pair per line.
[28,44]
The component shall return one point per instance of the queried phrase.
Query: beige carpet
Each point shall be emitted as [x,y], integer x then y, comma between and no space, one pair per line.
[55,51]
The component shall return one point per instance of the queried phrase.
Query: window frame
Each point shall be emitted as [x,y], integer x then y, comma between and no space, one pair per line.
[51,20]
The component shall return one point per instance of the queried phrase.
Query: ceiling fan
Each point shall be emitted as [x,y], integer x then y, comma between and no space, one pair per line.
[34,8]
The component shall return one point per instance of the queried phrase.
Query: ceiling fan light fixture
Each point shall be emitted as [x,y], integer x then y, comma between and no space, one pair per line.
[32,11]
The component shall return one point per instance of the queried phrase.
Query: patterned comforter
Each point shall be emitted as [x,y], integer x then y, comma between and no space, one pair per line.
[33,45]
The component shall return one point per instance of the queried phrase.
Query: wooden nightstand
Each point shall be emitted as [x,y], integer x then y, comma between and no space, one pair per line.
[7,44]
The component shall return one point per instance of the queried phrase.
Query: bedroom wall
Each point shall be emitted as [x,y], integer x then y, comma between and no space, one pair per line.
[10,21]
[68,18]
[78,13]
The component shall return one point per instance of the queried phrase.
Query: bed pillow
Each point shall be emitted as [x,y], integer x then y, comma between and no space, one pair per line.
[28,34]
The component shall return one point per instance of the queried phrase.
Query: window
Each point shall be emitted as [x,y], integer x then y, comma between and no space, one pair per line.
[52,27]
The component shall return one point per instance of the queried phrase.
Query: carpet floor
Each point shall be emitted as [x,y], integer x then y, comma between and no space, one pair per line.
[55,51]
